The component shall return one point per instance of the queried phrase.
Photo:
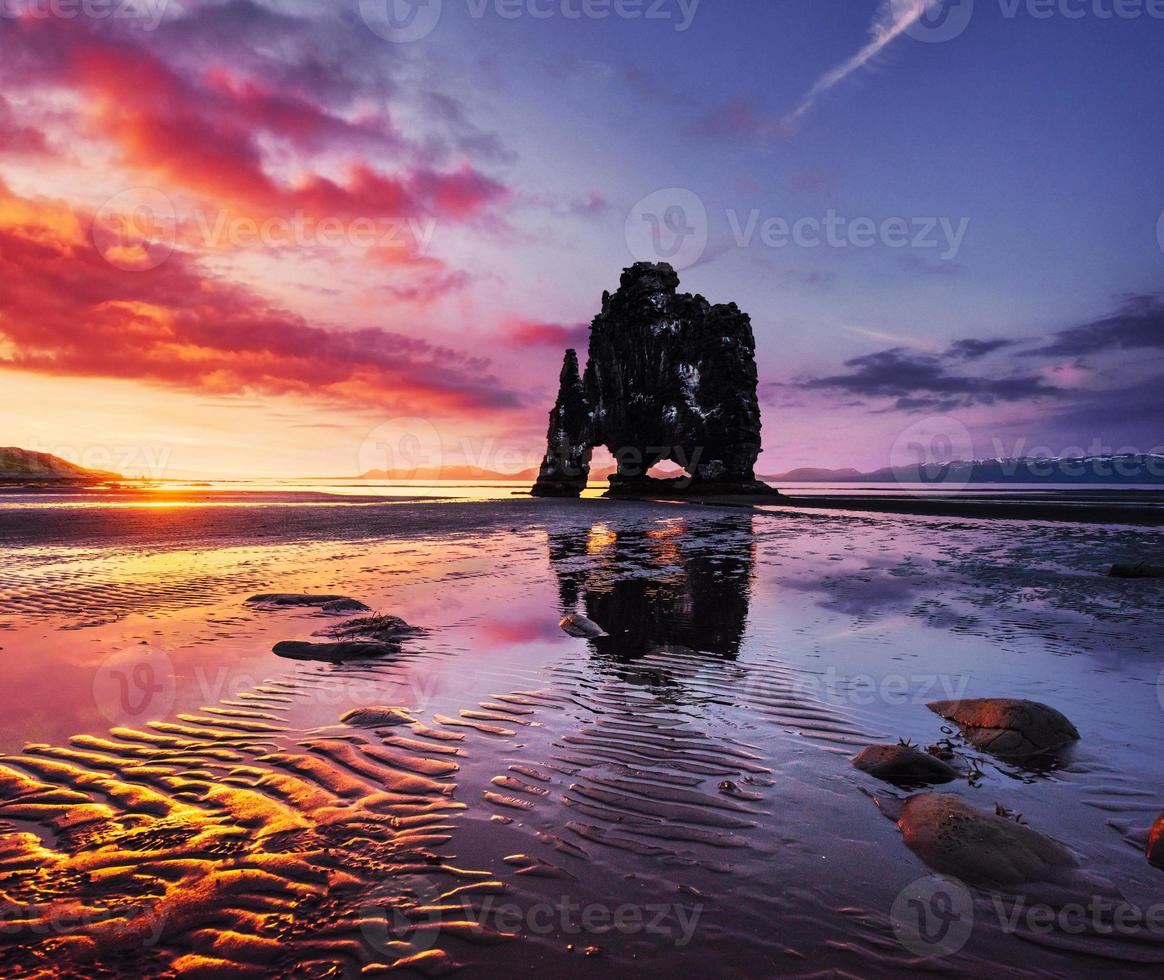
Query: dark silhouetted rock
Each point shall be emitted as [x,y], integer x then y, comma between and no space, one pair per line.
[669,378]
[566,467]
[344,605]
[903,765]
[334,652]
[1137,570]
[380,627]
[328,603]
[1009,726]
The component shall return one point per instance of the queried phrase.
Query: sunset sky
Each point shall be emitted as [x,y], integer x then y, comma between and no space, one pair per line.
[274,238]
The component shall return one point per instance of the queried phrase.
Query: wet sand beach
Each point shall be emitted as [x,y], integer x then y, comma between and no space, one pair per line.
[673,796]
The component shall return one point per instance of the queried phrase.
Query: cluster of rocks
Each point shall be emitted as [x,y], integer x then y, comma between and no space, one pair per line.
[947,833]
[669,378]
[976,845]
[362,638]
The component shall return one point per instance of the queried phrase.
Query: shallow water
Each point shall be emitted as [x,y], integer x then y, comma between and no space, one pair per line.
[175,797]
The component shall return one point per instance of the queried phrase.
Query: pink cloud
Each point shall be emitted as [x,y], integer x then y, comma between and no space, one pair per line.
[535,333]
[203,132]
[67,311]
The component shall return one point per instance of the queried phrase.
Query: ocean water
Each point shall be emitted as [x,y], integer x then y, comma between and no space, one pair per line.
[676,795]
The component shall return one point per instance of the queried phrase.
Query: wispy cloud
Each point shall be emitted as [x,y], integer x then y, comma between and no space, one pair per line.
[1137,325]
[922,381]
[893,18]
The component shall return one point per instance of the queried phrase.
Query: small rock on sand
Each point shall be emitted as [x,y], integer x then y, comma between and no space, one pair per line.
[378,627]
[957,839]
[1009,726]
[1137,570]
[1155,848]
[578,625]
[332,652]
[344,604]
[378,717]
[903,765]
[328,603]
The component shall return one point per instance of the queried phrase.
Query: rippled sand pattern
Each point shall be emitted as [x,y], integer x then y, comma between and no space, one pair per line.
[688,771]
[222,843]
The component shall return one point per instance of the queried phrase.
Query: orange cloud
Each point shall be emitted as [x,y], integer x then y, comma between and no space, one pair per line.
[66,310]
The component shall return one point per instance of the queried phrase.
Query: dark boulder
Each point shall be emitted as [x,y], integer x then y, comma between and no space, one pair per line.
[334,652]
[1009,727]
[328,603]
[973,845]
[903,765]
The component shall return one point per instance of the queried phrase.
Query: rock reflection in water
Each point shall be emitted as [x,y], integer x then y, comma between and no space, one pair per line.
[671,586]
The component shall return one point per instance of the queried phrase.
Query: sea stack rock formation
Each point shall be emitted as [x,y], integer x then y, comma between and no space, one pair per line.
[567,464]
[669,378]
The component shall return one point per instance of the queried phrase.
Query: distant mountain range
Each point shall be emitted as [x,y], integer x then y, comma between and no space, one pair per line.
[469,474]
[1122,468]
[25,465]
[459,474]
